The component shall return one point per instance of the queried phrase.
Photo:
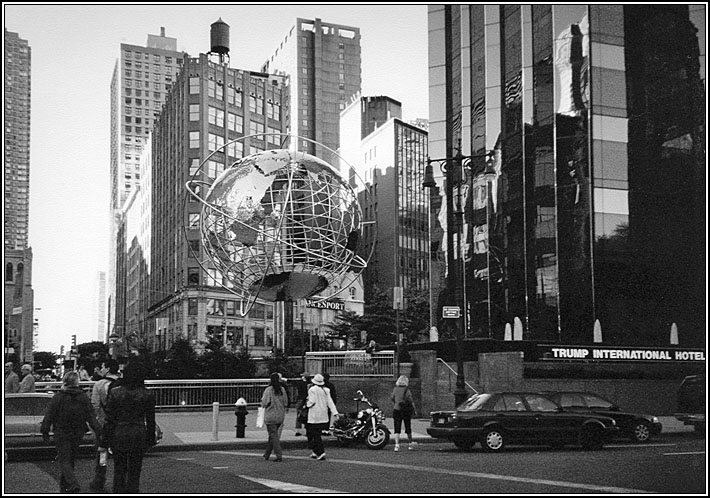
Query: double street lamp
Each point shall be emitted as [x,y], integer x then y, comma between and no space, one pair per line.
[454,171]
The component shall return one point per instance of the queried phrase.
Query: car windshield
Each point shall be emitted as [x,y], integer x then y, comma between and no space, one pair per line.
[475,402]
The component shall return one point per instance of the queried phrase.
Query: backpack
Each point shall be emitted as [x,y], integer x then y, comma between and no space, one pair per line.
[112,383]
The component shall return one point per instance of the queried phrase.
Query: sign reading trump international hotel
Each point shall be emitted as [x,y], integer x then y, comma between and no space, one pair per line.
[325,305]
[619,353]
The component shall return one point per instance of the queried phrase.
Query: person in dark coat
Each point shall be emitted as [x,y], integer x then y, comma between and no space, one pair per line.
[329,385]
[302,386]
[67,415]
[129,429]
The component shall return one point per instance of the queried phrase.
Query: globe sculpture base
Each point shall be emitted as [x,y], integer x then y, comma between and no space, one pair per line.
[289,286]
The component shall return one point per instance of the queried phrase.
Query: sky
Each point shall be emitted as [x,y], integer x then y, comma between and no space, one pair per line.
[74,50]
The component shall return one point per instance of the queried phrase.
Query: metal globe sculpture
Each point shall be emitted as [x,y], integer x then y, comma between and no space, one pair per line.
[280,225]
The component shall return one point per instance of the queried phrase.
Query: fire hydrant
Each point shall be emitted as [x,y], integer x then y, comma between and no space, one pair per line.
[241,413]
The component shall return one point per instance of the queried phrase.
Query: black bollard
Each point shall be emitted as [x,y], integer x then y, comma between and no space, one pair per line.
[241,414]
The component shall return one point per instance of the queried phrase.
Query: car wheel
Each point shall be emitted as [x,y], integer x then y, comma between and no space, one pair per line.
[493,440]
[464,444]
[641,432]
[591,438]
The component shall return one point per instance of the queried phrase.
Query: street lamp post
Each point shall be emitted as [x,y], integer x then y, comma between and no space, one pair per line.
[454,170]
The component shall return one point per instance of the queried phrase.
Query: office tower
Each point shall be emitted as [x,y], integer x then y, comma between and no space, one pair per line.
[16,137]
[586,128]
[142,77]
[100,293]
[322,61]
[210,105]
[18,300]
[389,155]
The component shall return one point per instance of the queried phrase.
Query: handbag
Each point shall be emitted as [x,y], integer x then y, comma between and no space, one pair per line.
[260,418]
[406,407]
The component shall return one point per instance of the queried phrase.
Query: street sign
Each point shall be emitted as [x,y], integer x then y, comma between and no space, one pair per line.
[397,298]
[451,312]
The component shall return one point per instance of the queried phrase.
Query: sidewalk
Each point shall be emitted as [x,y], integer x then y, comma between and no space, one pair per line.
[194,431]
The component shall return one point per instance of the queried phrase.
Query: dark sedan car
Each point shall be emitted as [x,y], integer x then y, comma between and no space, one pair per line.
[636,426]
[497,419]
[23,415]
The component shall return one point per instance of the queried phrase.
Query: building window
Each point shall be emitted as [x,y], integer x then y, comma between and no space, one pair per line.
[194,139]
[234,97]
[8,273]
[194,245]
[193,220]
[216,142]
[256,128]
[258,333]
[235,149]
[193,278]
[194,166]
[235,123]
[273,111]
[192,306]
[216,116]
[194,85]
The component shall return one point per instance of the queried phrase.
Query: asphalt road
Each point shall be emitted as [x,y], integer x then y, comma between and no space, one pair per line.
[671,465]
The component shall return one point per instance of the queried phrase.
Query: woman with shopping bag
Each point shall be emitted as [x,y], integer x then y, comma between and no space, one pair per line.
[274,404]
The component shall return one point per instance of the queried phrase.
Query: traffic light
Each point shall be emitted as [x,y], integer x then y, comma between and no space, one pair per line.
[61,350]
[73,344]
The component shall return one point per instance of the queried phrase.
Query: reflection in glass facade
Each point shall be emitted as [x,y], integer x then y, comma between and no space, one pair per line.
[592,203]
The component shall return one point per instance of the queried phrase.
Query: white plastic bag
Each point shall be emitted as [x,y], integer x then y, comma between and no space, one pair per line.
[260,418]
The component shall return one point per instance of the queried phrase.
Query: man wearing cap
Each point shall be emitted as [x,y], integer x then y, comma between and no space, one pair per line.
[318,403]
[27,385]
[12,382]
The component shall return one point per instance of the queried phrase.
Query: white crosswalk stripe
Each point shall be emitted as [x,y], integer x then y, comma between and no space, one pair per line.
[288,486]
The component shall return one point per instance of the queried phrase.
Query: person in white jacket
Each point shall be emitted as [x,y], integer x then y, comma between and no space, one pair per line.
[318,403]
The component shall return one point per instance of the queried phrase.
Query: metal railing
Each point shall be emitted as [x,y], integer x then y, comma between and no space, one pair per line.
[356,362]
[452,371]
[194,394]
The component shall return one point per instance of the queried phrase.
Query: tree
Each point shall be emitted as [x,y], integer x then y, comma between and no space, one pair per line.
[45,360]
[218,362]
[245,367]
[179,362]
[347,325]
[378,321]
[91,354]
[414,324]
[279,362]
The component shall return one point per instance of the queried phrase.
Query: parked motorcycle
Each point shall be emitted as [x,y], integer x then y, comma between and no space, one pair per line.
[366,425]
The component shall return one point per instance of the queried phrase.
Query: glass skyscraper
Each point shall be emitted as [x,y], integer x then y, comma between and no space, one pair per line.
[592,204]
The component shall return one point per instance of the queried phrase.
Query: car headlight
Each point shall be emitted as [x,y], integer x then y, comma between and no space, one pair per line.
[654,420]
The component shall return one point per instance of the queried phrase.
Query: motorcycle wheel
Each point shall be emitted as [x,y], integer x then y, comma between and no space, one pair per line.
[378,438]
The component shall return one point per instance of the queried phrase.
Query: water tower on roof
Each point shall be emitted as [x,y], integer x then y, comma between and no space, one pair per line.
[219,39]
